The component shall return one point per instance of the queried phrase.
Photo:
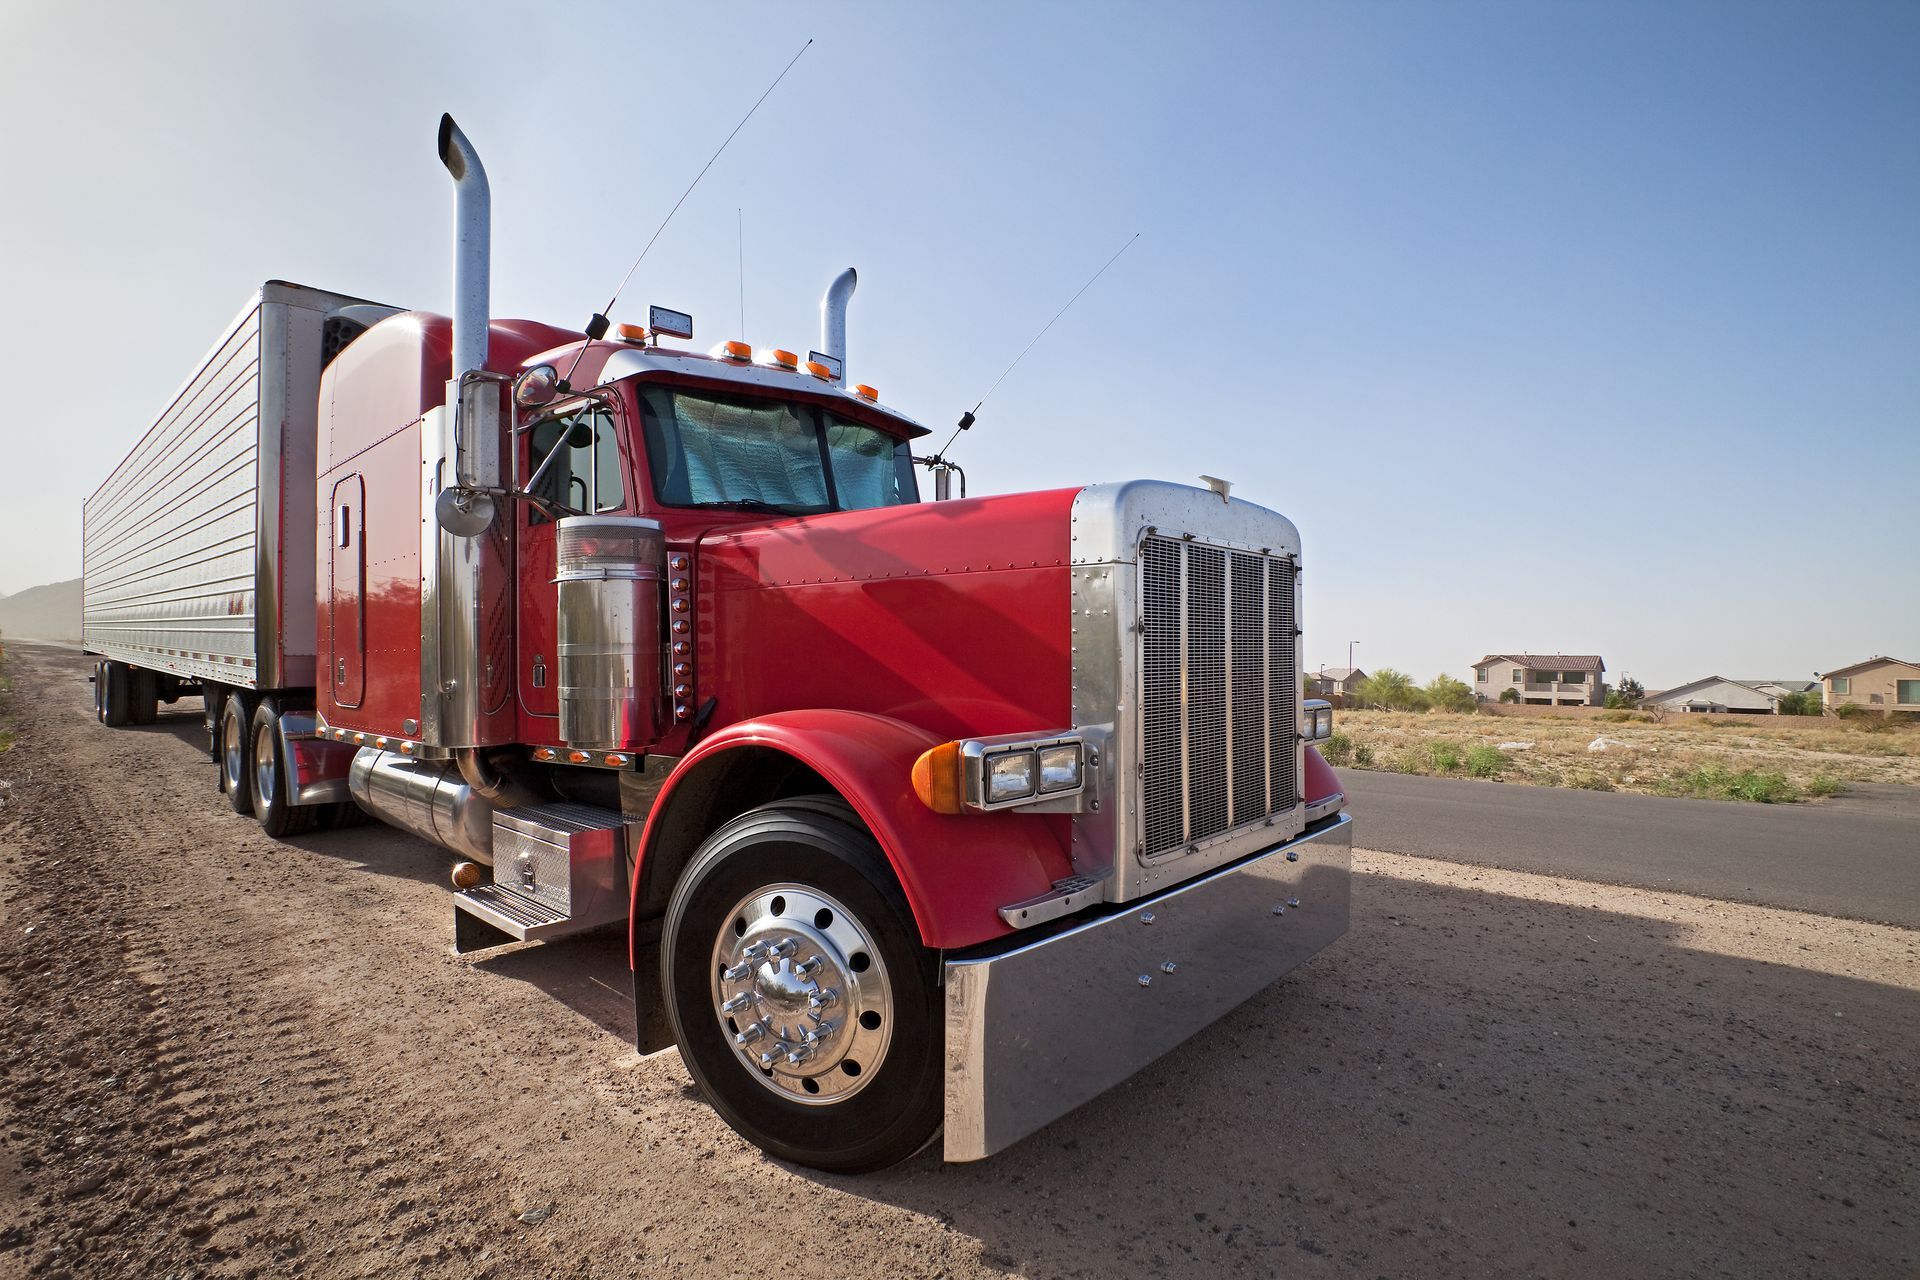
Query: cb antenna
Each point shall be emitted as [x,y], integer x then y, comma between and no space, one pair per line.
[597,326]
[966,419]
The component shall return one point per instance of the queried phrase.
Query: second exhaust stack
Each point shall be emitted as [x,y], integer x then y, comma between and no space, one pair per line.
[833,318]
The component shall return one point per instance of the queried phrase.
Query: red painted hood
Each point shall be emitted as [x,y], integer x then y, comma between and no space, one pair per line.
[952,616]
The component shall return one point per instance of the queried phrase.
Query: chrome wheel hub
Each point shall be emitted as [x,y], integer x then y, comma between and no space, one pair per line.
[233,749]
[801,994]
[263,778]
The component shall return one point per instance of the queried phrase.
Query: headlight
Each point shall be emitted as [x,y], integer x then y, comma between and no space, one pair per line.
[1316,719]
[1012,771]
[1010,775]
[1060,768]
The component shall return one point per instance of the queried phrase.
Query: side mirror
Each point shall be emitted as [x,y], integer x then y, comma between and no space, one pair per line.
[538,386]
[463,513]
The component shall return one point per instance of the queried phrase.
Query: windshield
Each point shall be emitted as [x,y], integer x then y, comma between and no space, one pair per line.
[709,450]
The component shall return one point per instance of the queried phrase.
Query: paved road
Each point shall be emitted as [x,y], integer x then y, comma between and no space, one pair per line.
[1857,857]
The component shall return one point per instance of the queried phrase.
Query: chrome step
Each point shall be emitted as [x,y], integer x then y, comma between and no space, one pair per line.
[558,869]
[1066,897]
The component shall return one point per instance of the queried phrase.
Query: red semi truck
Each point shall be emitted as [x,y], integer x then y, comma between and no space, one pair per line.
[920,815]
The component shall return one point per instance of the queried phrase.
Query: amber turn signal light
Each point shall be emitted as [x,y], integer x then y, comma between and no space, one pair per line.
[468,875]
[936,778]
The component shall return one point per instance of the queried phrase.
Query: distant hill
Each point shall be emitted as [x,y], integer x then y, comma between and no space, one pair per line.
[51,612]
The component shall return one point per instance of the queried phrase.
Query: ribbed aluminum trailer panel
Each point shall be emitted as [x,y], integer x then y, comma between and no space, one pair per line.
[198,551]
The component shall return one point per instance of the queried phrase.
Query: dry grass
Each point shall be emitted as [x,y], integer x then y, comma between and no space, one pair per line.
[1772,759]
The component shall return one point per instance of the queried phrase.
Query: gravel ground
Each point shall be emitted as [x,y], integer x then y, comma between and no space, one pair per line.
[226,1056]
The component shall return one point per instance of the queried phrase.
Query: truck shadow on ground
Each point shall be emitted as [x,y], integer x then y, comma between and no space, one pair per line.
[1475,1083]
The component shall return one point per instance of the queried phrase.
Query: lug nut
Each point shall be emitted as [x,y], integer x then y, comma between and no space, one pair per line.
[738,1003]
[799,1054]
[758,949]
[783,948]
[814,1035]
[822,998]
[739,972]
[767,1059]
[1146,917]
[750,1033]
[808,967]
[1167,966]
[1293,902]
[1146,979]
[1279,908]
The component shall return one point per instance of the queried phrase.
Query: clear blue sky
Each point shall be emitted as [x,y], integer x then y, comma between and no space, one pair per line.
[1557,327]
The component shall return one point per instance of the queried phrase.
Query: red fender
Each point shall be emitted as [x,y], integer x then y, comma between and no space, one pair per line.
[1319,778]
[958,870]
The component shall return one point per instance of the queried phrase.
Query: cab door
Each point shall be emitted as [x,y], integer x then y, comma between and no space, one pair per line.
[346,669]
[589,475]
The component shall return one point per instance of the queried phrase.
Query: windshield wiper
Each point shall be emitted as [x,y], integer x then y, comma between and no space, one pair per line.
[754,504]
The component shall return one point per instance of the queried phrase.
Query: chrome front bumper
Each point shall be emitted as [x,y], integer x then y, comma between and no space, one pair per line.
[1037,1029]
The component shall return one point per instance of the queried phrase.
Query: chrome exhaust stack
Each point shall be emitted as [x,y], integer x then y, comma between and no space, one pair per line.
[465,672]
[833,320]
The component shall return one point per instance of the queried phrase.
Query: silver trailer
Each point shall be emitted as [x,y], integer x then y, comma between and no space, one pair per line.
[198,551]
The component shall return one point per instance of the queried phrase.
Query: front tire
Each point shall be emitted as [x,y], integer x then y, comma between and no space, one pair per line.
[805,1008]
[235,765]
[273,799]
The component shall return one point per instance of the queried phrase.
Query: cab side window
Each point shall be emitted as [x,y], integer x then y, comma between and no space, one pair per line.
[587,474]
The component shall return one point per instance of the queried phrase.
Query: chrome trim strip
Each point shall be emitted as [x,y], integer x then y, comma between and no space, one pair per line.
[1325,805]
[1024,1046]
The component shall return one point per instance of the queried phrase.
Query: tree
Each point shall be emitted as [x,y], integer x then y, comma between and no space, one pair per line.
[1509,695]
[1804,702]
[1389,690]
[1627,693]
[1445,693]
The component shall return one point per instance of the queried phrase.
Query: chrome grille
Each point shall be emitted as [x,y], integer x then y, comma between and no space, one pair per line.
[1220,686]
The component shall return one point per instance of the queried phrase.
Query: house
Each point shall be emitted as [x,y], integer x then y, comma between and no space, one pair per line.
[1722,696]
[1879,684]
[1334,682]
[1542,679]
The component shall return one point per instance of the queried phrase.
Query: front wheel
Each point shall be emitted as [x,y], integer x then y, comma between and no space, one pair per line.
[804,1005]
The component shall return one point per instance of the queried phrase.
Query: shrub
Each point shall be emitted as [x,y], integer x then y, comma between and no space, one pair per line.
[1411,760]
[1717,782]
[1338,750]
[1363,756]
[1805,702]
[1445,755]
[1616,717]
[1588,780]
[1444,693]
[1509,695]
[1484,761]
[1824,786]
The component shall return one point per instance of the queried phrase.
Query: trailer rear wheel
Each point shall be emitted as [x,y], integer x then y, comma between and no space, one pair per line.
[110,695]
[804,1005]
[273,798]
[235,767]
[143,697]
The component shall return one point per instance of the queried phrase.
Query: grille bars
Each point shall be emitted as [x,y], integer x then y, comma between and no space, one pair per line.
[1217,647]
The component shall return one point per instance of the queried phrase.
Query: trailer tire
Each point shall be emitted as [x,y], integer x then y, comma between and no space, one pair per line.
[273,798]
[143,697]
[110,695]
[806,870]
[236,765]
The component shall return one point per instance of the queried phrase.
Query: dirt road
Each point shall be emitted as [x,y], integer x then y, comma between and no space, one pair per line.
[222,1056]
